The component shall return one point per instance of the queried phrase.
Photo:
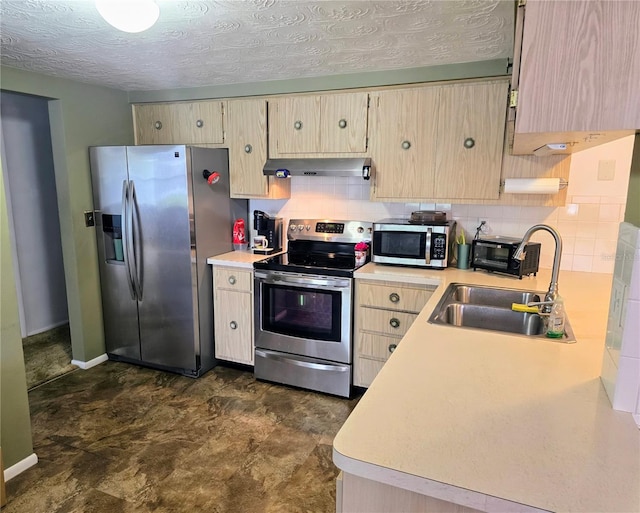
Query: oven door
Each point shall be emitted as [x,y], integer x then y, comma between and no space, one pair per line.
[303,314]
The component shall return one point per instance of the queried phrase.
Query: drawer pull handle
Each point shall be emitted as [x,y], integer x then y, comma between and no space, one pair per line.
[157,125]
[342,123]
[394,297]
[199,123]
[233,325]
[297,125]
[395,323]
[406,145]
[392,347]
[469,143]
[232,280]
[248,148]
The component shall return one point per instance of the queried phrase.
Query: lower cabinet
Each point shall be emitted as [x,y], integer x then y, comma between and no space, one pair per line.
[384,311]
[233,314]
[359,495]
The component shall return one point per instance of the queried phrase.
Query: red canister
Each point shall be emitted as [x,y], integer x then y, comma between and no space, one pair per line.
[238,232]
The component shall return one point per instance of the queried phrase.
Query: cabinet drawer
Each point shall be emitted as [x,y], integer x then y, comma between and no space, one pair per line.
[365,370]
[394,297]
[232,279]
[385,321]
[378,347]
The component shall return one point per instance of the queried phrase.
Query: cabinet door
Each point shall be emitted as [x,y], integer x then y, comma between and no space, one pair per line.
[343,123]
[179,123]
[246,127]
[233,320]
[294,125]
[153,123]
[403,142]
[471,127]
[197,122]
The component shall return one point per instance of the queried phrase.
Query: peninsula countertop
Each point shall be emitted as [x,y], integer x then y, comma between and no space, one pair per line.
[243,258]
[491,420]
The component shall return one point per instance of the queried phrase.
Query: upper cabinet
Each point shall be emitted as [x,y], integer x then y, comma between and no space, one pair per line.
[246,123]
[578,74]
[438,141]
[314,125]
[179,123]
[470,140]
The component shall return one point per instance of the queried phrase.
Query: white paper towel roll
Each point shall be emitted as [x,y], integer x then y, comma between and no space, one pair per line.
[532,185]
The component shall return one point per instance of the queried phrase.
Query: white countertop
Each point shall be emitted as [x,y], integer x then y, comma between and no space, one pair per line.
[479,418]
[244,259]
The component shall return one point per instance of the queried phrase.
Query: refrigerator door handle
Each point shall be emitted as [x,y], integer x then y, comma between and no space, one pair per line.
[124,223]
[135,250]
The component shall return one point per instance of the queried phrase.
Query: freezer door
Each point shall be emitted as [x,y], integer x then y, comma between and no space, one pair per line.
[120,310]
[162,251]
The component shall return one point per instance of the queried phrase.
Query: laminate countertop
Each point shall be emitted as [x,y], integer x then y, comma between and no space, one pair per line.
[243,259]
[495,421]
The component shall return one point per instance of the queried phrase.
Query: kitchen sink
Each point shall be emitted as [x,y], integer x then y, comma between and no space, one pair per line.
[489,308]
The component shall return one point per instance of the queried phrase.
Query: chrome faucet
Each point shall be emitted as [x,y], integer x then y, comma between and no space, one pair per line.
[551,294]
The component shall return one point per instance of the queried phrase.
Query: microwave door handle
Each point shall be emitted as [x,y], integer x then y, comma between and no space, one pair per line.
[427,247]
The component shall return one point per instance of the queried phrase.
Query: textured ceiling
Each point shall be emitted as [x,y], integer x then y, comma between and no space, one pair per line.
[226,42]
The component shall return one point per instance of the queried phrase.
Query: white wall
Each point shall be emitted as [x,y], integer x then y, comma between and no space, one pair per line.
[588,223]
[31,194]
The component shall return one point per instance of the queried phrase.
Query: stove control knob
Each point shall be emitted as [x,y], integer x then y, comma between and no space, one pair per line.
[360,229]
[307,227]
[293,227]
[300,227]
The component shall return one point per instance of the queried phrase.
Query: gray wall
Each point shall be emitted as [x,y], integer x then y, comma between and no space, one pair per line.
[33,211]
[80,115]
[632,213]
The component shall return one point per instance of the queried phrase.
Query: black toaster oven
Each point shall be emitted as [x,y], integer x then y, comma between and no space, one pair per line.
[495,254]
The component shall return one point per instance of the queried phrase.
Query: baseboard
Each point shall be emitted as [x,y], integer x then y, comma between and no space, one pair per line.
[48,328]
[20,467]
[91,363]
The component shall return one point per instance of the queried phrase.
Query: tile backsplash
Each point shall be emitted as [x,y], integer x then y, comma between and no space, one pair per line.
[588,223]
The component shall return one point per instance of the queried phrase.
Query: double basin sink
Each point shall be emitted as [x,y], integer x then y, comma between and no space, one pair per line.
[489,308]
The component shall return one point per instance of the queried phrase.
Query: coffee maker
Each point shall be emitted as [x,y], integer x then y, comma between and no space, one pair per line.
[270,228]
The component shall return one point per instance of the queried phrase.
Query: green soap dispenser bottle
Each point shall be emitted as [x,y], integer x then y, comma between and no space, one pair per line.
[555,325]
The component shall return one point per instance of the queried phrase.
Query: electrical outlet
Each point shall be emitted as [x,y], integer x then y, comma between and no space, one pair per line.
[89,218]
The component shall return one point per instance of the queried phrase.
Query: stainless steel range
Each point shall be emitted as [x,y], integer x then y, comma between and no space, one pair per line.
[304,306]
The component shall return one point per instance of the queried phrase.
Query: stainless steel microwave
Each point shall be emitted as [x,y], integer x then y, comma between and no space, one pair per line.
[401,242]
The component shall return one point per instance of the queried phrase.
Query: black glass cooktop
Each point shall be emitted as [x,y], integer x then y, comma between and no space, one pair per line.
[327,258]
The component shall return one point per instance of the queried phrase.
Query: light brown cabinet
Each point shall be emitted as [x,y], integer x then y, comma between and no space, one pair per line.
[441,142]
[384,312]
[470,137]
[179,123]
[316,125]
[578,73]
[246,124]
[233,314]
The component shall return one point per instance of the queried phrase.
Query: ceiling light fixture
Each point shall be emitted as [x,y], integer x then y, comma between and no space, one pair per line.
[129,15]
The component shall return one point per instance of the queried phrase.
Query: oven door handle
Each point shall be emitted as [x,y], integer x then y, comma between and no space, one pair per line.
[305,282]
[300,363]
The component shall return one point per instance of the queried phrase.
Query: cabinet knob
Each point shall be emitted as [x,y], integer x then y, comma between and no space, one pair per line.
[406,145]
[469,143]
[395,323]
[297,125]
[157,125]
[394,297]
[248,148]
[233,325]
[342,123]
[199,123]
[392,347]
[232,280]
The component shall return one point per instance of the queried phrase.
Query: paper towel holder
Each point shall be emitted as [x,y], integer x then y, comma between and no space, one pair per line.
[562,184]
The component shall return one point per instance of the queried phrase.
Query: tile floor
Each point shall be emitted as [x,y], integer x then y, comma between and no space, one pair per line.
[122,438]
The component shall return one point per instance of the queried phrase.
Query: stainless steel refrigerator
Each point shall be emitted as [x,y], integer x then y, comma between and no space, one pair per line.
[157,220]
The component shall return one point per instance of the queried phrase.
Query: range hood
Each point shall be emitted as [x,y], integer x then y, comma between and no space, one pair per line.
[283,168]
